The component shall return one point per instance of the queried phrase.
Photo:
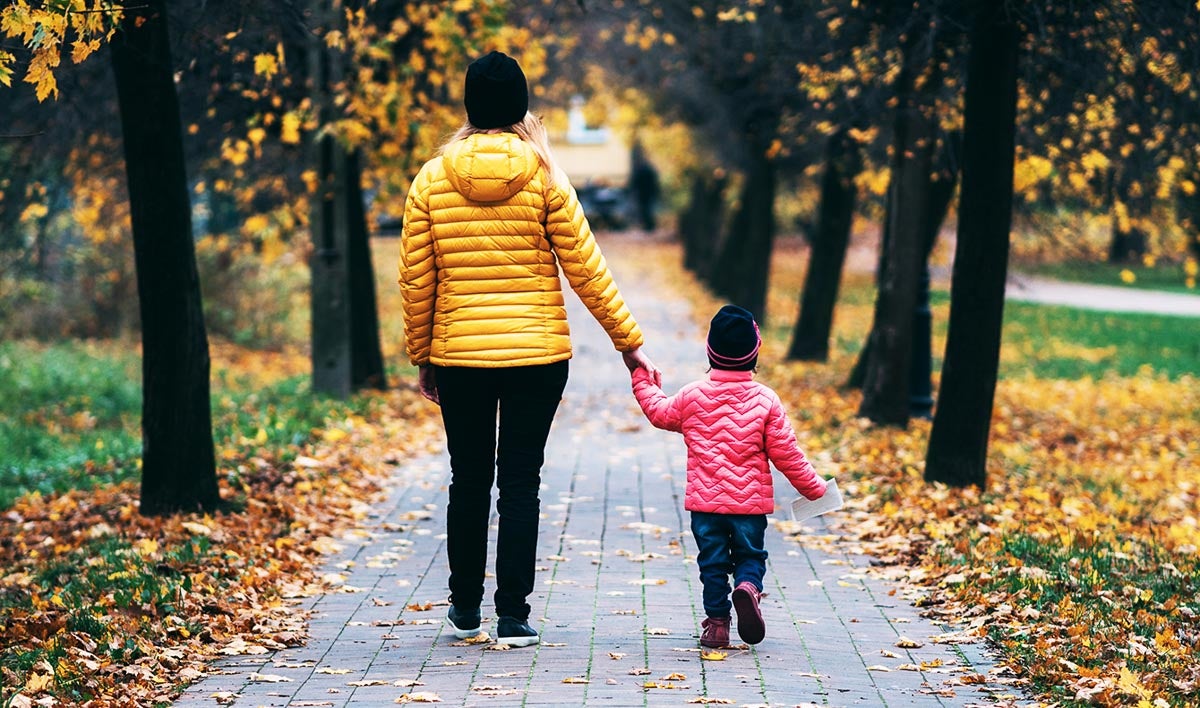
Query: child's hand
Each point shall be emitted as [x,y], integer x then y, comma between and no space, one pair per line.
[637,359]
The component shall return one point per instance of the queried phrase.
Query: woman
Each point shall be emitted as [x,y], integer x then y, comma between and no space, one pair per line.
[487,224]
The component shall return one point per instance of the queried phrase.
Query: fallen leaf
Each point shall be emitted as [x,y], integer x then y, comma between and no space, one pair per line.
[575,679]
[328,670]
[674,677]
[712,655]
[658,631]
[710,701]
[616,655]
[906,643]
[369,682]
[639,672]
[419,697]
[269,678]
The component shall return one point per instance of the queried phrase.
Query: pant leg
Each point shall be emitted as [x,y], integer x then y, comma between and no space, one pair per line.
[711,532]
[528,401]
[747,534]
[469,399]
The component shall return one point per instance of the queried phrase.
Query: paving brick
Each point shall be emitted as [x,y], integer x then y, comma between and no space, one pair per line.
[612,506]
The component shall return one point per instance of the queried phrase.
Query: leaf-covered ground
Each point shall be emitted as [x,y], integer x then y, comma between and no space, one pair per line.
[1080,560]
[99,604]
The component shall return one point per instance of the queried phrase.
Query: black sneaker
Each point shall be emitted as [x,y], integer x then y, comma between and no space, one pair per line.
[515,632]
[464,622]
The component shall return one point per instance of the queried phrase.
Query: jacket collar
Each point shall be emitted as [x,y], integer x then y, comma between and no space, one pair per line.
[725,375]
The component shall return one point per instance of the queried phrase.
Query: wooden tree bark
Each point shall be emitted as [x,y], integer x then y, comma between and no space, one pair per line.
[958,442]
[886,384]
[366,367]
[741,271]
[178,466]
[810,337]
[700,222]
[346,355]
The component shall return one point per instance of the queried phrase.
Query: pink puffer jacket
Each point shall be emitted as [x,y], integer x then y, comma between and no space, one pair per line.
[732,426]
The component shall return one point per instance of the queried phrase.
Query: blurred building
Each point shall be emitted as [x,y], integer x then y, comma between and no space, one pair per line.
[590,154]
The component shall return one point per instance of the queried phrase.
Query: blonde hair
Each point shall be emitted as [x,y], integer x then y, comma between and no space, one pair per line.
[531,130]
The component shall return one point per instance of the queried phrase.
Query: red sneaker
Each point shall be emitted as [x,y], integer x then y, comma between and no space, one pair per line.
[750,624]
[715,633]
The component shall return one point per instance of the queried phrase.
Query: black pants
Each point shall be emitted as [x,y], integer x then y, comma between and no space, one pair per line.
[526,398]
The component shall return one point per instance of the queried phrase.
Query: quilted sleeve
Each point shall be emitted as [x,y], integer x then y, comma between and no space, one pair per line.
[785,453]
[417,271]
[585,268]
[661,411]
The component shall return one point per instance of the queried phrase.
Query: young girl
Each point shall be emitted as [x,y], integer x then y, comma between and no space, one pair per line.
[732,426]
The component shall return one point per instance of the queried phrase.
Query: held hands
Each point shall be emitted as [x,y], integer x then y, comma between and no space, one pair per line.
[428,383]
[637,359]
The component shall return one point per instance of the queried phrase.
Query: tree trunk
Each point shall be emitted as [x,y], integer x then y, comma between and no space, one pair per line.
[700,222]
[346,355]
[958,442]
[366,354]
[941,191]
[886,385]
[810,338]
[741,272]
[178,466]
[1129,238]
[331,313]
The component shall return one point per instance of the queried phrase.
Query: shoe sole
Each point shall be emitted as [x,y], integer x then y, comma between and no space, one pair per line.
[750,625]
[518,641]
[464,633]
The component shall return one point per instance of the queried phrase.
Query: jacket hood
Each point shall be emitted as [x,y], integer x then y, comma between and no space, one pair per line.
[490,167]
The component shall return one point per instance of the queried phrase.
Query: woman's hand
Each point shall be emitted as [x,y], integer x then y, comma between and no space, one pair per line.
[637,359]
[427,382]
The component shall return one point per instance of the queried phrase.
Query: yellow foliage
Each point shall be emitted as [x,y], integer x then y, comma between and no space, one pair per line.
[1029,171]
[266,66]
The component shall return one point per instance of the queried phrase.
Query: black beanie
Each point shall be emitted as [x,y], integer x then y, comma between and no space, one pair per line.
[733,339]
[496,94]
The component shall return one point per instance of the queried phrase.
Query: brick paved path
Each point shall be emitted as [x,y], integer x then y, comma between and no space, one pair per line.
[617,598]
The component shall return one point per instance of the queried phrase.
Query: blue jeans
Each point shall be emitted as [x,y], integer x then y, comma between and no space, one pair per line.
[523,399]
[725,544]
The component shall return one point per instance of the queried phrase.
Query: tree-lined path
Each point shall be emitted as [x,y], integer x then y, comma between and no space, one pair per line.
[617,598]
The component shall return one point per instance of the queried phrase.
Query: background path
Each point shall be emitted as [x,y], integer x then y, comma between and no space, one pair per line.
[1101,297]
[618,598]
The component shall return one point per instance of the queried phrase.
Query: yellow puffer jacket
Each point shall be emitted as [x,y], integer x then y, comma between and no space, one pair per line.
[484,236]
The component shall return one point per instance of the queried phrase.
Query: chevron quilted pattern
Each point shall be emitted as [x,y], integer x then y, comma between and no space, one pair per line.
[734,428]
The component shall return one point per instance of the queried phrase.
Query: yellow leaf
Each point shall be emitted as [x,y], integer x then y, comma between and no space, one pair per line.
[38,683]
[197,528]
[712,655]
[6,61]
[266,65]
[261,436]
[575,679]
[1129,684]
[290,128]
[81,50]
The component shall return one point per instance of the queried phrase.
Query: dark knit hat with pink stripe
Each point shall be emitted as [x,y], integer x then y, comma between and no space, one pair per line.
[733,339]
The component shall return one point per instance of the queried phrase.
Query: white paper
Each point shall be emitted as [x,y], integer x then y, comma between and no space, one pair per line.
[808,508]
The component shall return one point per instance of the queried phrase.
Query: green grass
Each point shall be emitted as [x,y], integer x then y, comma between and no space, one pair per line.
[70,417]
[1055,342]
[1111,587]
[142,591]
[1067,343]
[1169,277]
